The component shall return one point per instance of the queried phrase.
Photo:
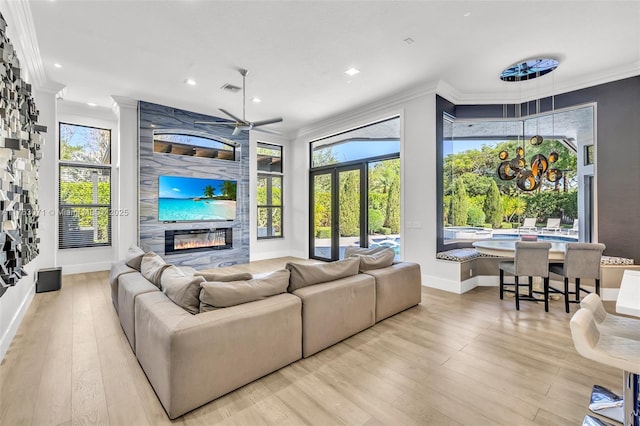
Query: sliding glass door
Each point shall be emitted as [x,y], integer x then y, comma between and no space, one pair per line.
[337,206]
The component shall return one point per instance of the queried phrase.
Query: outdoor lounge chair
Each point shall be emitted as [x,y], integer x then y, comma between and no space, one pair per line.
[529,224]
[575,230]
[553,225]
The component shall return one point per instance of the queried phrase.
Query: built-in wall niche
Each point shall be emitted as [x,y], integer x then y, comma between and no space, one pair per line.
[178,142]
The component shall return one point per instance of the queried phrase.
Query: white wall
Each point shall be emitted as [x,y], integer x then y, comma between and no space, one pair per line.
[276,247]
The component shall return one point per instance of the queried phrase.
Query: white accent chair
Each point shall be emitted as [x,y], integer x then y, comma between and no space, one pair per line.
[613,351]
[553,225]
[529,225]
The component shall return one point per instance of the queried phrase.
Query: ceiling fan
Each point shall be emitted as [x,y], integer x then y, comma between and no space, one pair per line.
[242,123]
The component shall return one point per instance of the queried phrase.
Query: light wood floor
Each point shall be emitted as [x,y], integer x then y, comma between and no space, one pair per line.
[455,359]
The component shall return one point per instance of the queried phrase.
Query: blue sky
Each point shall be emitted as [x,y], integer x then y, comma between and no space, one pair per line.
[186,187]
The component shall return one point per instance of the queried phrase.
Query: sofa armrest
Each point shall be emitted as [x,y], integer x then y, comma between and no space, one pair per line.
[398,287]
[193,359]
[118,268]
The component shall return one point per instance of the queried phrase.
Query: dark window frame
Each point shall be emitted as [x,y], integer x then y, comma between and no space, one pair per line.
[65,207]
[269,175]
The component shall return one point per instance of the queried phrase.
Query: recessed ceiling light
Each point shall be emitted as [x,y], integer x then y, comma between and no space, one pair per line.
[352,71]
[91,104]
[256,100]
[190,82]
[466,15]
[57,65]
[409,40]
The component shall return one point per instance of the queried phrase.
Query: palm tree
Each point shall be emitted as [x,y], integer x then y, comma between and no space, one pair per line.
[208,191]
[229,189]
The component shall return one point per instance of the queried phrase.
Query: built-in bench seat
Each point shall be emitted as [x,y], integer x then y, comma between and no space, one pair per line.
[475,264]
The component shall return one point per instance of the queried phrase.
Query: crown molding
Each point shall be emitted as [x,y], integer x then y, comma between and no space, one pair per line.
[382,104]
[51,87]
[529,90]
[124,101]
[19,17]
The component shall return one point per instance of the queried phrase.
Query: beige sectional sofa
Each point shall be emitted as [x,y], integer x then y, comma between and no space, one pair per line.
[251,326]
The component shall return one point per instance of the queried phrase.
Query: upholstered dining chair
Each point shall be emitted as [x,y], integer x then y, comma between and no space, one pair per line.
[581,261]
[531,259]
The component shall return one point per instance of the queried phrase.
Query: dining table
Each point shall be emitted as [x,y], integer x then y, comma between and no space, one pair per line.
[507,248]
[628,301]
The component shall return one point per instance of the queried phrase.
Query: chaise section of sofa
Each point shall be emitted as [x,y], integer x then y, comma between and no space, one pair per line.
[398,287]
[130,286]
[335,310]
[193,359]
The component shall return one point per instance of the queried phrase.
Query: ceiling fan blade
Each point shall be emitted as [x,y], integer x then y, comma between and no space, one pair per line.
[213,122]
[271,132]
[265,122]
[231,115]
[236,131]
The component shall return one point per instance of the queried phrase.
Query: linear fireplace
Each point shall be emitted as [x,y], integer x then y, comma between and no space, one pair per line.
[187,240]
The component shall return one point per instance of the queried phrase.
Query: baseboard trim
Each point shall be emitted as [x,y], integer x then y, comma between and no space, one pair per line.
[6,340]
[85,267]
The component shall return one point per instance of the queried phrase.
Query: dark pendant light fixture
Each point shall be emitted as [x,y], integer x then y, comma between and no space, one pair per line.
[529,176]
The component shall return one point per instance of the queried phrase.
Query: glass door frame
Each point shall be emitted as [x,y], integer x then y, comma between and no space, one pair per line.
[334,170]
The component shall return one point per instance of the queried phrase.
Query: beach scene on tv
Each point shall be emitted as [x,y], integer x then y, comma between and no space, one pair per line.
[196,199]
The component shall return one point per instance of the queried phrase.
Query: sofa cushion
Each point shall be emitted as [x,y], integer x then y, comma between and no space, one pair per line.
[351,250]
[183,290]
[222,277]
[133,257]
[377,260]
[305,275]
[152,266]
[215,295]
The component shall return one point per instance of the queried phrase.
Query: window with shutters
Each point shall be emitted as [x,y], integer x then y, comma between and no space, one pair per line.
[84,186]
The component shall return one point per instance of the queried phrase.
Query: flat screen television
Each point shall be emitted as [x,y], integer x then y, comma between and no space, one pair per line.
[188,199]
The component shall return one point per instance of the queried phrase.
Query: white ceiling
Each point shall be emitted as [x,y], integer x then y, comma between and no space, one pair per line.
[297,52]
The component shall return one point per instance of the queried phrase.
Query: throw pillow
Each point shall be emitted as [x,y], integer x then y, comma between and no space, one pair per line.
[182,289]
[133,258]
[306,275]
[351,250]
[152,266]
[380,259]
[215,295]
[217,276]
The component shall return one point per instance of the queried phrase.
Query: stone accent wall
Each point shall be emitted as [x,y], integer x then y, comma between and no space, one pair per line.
[152,165]
[20,155]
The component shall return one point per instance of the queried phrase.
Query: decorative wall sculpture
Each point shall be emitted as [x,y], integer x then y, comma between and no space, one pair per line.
[20,156]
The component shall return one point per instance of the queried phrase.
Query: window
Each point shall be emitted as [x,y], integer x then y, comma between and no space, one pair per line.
[84,186]
[354,191]
[269,191]
[476,202]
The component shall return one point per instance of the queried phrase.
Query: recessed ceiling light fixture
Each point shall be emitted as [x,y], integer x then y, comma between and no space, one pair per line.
[352,71]
[467,14]
[256,100]
[409,40]
[190,82]
[57,65]
[92,104]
